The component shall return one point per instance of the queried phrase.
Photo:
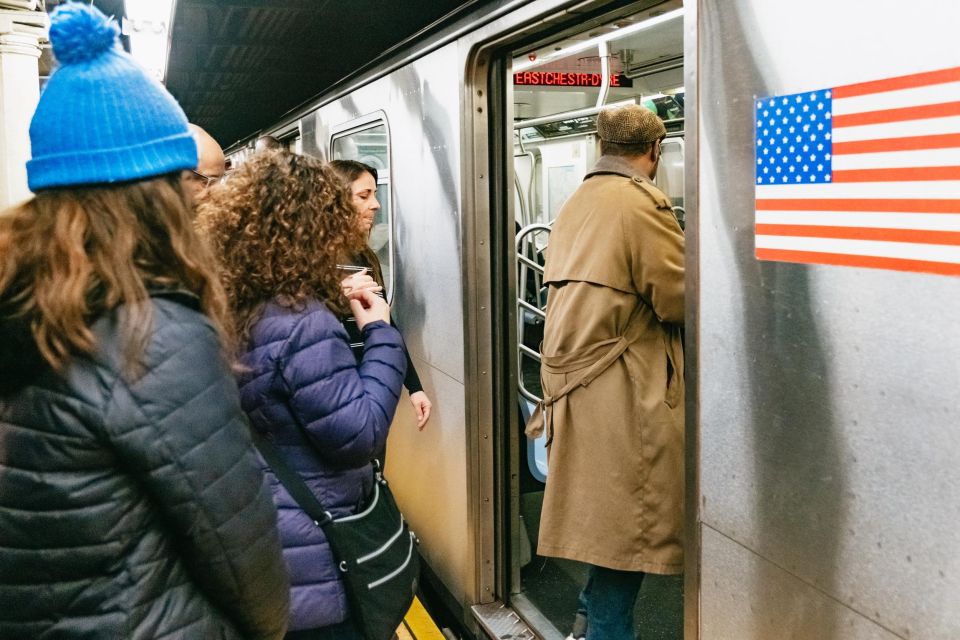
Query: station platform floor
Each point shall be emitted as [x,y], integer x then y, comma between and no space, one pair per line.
[418,625]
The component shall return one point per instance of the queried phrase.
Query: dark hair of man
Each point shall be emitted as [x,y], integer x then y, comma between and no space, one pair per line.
[351,170]
[622,149]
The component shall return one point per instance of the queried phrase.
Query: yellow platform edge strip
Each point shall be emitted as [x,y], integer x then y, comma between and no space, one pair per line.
[418,625]
[403,633]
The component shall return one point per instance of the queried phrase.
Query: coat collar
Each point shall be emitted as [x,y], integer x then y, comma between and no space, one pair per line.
[617,166]
[180,296]
[20,360]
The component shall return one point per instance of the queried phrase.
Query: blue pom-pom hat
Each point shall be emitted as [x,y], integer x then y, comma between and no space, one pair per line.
[101,117]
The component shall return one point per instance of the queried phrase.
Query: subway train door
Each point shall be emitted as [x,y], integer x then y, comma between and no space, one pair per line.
[546,92]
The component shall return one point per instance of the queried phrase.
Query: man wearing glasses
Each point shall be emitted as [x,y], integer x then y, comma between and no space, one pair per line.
[211,163]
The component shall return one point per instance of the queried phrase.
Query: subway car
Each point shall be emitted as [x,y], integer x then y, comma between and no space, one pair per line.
[823,390]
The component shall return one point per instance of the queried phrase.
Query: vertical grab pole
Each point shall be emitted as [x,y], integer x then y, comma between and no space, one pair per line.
[604,52]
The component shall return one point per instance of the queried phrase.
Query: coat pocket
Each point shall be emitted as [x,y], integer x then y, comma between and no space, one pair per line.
[674,389]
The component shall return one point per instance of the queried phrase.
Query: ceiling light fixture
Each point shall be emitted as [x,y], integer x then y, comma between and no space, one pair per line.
[592,42]
[148,24]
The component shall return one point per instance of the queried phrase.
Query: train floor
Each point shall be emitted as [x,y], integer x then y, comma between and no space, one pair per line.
[658,613]
[553,585]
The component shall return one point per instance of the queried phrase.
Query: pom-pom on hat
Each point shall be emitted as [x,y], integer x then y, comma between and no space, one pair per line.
[101,117]
[630,124]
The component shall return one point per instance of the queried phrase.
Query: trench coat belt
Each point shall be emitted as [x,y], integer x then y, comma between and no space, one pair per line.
[593,357]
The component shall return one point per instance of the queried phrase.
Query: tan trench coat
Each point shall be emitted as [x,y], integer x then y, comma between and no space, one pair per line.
[614,491]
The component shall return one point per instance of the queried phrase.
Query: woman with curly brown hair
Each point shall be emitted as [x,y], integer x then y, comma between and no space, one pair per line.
[131,502]
[280,226]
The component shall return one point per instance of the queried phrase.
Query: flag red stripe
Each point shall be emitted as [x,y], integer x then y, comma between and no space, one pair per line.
[916,236]
[900,114]
[891,205]
[939,76]
[914,143]
[905,174]
[871,262]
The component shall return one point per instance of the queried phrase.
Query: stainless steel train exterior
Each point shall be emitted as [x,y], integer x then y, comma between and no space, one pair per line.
[827,401]
[823,404]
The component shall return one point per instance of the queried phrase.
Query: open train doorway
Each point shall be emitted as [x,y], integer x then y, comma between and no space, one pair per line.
[552,89]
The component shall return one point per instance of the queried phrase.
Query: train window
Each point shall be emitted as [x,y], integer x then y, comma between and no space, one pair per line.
[670,173]
[562,181]
[371,146]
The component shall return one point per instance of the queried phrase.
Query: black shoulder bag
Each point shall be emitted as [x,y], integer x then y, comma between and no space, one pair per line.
[375,549]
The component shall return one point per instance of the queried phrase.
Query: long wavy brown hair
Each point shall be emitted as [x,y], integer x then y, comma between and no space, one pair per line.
[279,227]
[71,255]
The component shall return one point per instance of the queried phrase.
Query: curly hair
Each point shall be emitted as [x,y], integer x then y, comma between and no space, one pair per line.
[70,255]
[280,226]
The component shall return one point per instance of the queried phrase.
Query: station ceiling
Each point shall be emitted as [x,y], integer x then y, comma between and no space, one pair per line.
[237,66]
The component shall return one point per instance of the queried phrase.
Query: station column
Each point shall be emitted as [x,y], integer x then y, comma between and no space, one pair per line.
[20,36]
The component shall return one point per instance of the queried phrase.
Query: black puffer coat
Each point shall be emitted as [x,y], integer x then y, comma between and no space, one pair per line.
[133,509]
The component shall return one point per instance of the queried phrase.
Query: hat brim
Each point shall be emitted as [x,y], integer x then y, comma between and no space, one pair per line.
[116,164]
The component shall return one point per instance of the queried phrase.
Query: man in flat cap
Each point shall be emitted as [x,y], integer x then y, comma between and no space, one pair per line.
[613,376]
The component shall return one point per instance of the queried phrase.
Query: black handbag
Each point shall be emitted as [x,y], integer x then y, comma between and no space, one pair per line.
[375,549]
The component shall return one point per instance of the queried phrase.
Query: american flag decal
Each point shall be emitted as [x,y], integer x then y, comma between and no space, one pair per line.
[864,175]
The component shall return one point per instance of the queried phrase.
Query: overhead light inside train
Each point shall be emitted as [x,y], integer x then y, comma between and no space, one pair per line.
[147,24]
[597,40]
[25,5]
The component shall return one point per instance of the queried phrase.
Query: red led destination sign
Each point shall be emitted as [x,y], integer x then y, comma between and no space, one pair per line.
[565,79]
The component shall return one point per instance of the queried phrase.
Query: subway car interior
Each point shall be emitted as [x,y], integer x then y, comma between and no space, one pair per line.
[558,87]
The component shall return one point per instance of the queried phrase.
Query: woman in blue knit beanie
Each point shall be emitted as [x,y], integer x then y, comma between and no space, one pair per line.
[131,503]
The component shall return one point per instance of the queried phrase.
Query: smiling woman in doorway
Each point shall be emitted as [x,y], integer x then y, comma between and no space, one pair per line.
[361,180]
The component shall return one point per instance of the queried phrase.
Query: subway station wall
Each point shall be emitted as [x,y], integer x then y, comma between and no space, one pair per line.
[829,407]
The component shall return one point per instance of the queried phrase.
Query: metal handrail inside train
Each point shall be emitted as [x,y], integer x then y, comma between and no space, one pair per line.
[528,267]
[567,115]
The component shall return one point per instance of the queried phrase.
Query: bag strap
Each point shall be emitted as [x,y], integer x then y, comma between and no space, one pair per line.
[291,480]
[629,337]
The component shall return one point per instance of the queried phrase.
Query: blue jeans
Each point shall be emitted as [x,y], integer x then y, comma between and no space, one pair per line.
[608,600]
[342,631]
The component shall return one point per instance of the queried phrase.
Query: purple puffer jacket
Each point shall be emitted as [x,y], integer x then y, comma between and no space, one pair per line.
[300,367]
